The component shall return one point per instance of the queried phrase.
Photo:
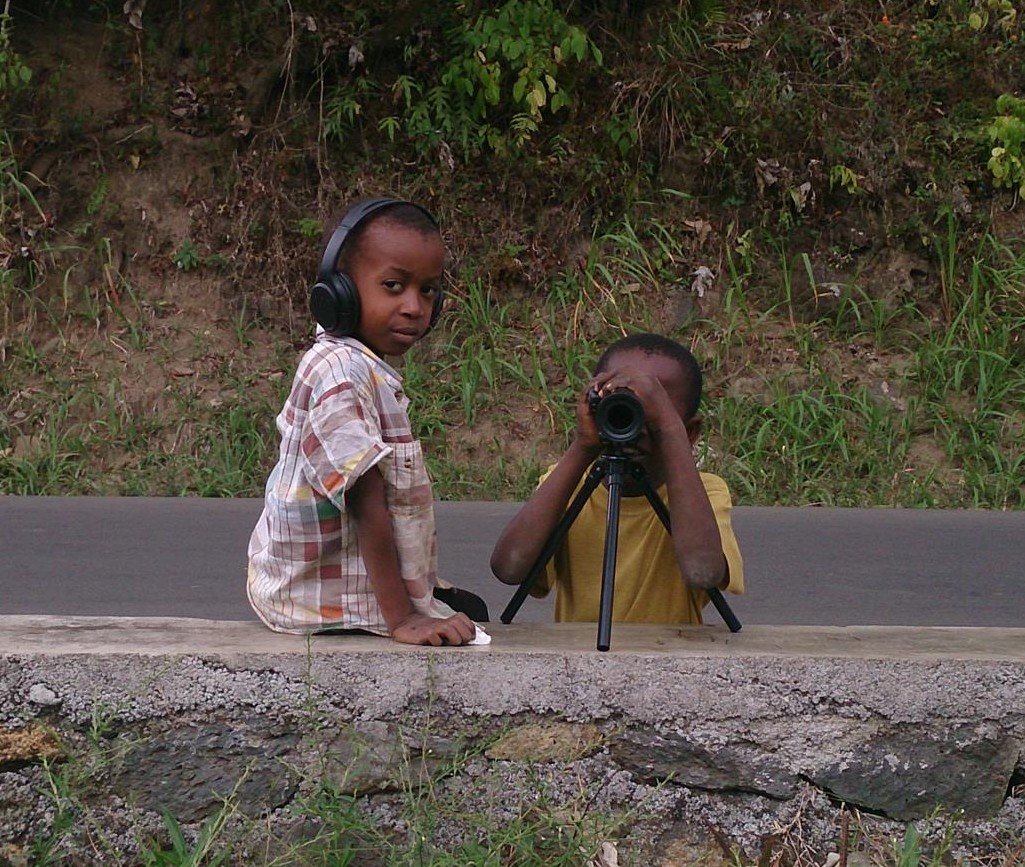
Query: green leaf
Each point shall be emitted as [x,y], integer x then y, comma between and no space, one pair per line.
[579,45]
[389,126]
[538,95]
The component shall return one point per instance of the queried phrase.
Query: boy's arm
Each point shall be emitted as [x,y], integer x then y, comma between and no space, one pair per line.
[696,539]
[368,505]
[698,545]
[524,537]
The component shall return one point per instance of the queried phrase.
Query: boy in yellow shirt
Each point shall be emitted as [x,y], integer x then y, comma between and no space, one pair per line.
[660,578]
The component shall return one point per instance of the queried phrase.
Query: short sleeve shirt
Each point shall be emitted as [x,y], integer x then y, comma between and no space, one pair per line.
[346,413]
[648,586]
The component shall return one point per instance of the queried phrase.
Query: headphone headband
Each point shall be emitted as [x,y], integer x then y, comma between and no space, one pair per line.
[350,220]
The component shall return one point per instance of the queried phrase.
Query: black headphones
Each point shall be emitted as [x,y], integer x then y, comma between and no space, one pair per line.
[334,299]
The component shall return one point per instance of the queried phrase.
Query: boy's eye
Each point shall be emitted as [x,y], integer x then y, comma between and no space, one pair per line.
[393,285]
[430,291]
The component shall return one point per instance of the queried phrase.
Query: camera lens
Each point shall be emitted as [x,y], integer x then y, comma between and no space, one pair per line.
[619,417]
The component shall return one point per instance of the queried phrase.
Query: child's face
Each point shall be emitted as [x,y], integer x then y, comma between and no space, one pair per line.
[673,381]
[398,272]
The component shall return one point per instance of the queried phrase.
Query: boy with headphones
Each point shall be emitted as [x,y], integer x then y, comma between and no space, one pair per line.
[346,540]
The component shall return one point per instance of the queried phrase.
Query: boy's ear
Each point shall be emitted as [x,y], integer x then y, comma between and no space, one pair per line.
[693,426]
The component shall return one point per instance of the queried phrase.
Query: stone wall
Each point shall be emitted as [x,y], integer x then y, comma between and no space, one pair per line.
[692,733]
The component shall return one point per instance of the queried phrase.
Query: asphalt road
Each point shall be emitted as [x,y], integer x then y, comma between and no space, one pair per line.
[186,558]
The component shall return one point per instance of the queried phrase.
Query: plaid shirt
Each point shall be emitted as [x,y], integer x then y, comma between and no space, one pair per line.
[345,414]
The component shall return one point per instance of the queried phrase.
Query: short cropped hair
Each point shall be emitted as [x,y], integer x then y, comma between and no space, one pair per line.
[656,344]
[404,214]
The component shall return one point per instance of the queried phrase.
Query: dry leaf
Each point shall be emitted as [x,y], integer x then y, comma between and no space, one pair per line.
[134,9]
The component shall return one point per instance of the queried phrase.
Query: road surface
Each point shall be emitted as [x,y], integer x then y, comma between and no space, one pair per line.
[185,557]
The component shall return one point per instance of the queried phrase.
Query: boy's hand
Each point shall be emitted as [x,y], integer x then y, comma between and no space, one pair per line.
[587,431]
[421,629]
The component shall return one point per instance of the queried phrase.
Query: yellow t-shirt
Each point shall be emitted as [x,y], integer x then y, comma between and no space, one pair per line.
[648,588]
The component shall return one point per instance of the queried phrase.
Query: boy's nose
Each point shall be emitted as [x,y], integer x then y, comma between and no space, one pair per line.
[411,303]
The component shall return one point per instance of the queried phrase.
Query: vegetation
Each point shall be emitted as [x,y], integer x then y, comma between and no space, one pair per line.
[442,814]
[821,201]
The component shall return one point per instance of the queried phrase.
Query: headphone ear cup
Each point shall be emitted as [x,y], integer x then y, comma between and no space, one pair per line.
[334,303]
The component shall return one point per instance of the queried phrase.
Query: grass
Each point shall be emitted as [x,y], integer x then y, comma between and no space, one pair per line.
[428,818]
[459,811]
[822,426]
[728,141]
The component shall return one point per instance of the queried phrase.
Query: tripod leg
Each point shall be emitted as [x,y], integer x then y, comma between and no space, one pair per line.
[714,595]
[594,477]
[608,572]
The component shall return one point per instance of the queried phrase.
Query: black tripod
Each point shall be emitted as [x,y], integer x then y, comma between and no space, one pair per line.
[614,465]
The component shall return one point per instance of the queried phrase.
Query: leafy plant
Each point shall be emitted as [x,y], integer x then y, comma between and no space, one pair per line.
[14,73]
[204,852]
[504,76]
[344,107]
[187,257]
[845,178]
[98,197]
[1007,133]
[1002,12]
[309,227]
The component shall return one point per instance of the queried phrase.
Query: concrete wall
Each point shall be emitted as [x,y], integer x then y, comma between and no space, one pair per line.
[689,728]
